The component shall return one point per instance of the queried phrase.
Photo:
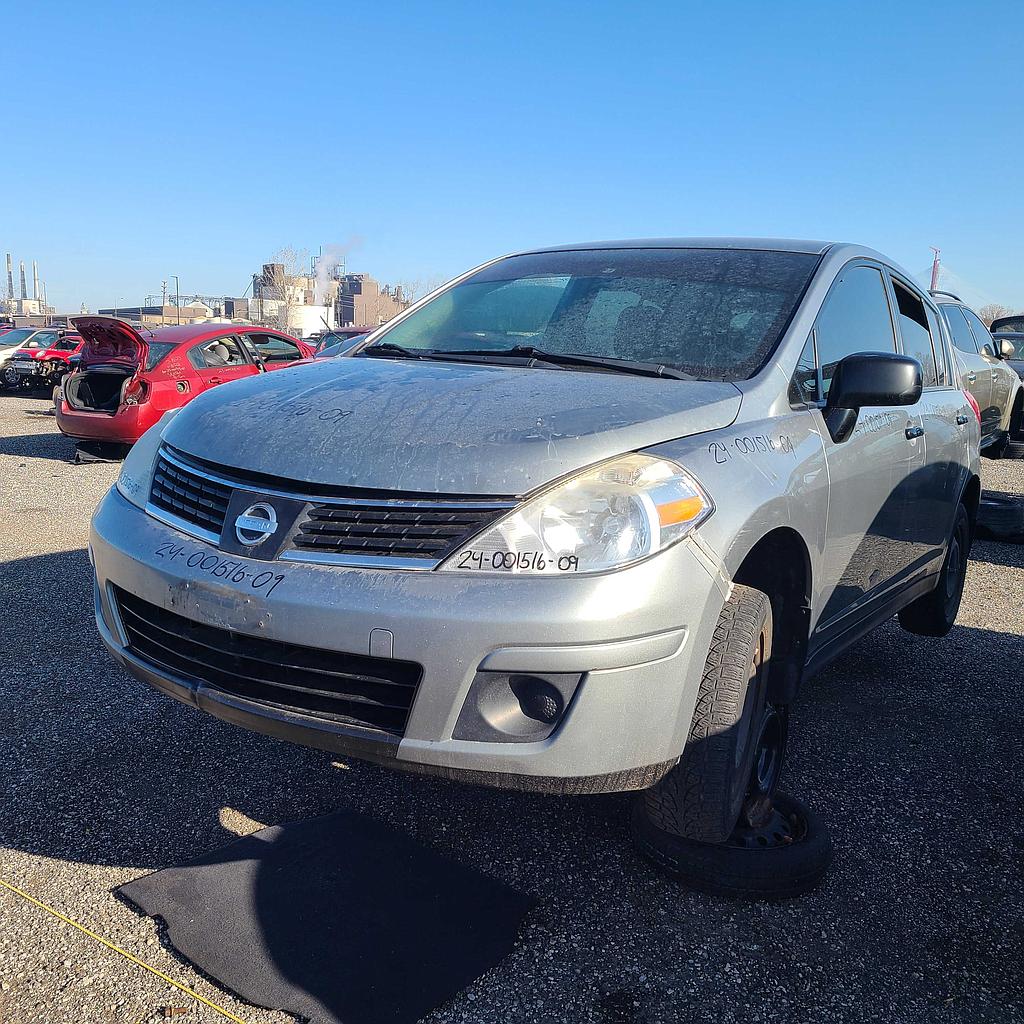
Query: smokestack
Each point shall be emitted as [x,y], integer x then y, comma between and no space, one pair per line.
[10,278]
[35,281]
[21,271]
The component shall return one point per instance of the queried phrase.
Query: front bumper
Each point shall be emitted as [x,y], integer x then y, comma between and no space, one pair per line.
[638,637]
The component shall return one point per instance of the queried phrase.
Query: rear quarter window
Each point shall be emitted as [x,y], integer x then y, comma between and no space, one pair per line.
[158,351]
[915,332]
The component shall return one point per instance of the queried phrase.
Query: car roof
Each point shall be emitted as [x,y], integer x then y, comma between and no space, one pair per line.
[816,248]
[181,333]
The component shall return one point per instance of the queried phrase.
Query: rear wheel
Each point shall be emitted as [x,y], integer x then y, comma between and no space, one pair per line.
[1015,449]
[935,612]
[10,377]
[737,741]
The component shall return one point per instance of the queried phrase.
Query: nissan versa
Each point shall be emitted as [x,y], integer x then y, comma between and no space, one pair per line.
[581,521]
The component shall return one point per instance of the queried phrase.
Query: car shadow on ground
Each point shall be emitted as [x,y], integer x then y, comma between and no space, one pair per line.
[908,747]
[998,553]
[39,446]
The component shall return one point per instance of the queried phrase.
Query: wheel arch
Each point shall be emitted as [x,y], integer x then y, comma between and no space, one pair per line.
[970,497]
[779,565]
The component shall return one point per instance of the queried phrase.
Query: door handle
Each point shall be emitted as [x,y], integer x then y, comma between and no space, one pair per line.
[913,432]
[216,380]
[961,420]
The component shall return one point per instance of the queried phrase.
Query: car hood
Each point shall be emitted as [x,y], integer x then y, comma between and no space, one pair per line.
[439,427]
[106,339]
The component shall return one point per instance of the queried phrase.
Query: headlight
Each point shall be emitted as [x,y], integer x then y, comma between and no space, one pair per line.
[136,477]
[604,518]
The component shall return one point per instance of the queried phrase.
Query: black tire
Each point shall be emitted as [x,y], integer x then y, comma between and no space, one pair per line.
[934,613]
[1001,517]
[998,449]
[786,857]
[1014,450]
[10,377]
[701,797]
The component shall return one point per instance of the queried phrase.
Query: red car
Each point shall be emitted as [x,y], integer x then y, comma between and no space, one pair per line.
[127,380]
[43,359]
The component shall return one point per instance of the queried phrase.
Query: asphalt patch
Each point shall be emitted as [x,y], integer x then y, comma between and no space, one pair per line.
[340,919]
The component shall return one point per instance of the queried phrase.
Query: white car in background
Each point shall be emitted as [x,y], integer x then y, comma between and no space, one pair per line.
[13,341]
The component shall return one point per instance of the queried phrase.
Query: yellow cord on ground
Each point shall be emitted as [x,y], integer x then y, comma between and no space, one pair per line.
[123,952]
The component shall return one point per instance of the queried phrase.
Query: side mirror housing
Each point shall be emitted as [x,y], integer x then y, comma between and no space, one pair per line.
[867,379]
[1004,348]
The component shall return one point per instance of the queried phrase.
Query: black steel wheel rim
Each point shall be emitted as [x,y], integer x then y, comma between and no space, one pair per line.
[955,566]
[770,751]
[776,831]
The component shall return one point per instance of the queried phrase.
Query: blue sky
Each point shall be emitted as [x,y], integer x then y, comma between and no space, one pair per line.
[143,141]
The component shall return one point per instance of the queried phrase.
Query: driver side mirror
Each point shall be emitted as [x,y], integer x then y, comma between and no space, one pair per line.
[1005,349]
[867,379]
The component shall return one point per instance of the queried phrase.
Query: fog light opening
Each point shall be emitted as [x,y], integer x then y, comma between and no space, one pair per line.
[538,699]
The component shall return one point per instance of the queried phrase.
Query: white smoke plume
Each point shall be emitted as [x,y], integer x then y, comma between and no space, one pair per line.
[330,258]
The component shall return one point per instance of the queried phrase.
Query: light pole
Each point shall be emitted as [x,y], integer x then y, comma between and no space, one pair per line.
[177,296]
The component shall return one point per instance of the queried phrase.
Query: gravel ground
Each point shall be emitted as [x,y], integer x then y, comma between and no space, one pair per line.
[909,749]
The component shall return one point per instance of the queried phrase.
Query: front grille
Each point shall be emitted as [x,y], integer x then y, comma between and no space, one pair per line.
[189,496]
[391,532]
[350,688]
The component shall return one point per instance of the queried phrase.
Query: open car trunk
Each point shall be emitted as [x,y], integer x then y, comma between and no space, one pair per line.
[112,353]
[99,389]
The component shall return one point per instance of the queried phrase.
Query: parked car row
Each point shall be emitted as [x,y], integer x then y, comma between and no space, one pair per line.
[987,372]
[36,356]
[125,380]
[583,521]
[1011,329]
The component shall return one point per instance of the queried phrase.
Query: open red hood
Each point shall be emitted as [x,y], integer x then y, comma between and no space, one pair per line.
[109,340]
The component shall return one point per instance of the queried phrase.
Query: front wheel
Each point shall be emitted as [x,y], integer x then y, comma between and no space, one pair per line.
[934,613]
[737,740]
[10,377]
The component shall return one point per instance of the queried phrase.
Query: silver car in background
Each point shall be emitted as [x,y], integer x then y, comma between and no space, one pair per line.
[581,521]
[986,372]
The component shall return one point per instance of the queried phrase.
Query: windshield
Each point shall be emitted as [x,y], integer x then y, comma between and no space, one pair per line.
[15,337]
[716,314]
[157,350]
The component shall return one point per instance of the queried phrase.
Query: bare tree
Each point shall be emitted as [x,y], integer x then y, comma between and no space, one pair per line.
[417,287]
[993,311]
[279,289]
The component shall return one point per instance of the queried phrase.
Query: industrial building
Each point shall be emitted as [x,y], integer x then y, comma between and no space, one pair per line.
[15,307]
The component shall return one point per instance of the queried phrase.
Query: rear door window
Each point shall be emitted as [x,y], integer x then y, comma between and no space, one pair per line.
[962,336]
[275,349]
[216,354]
[915,333]
[854,318]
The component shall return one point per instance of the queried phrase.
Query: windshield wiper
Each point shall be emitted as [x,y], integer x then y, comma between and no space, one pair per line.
[598,362]
[389,348]
[532,356]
